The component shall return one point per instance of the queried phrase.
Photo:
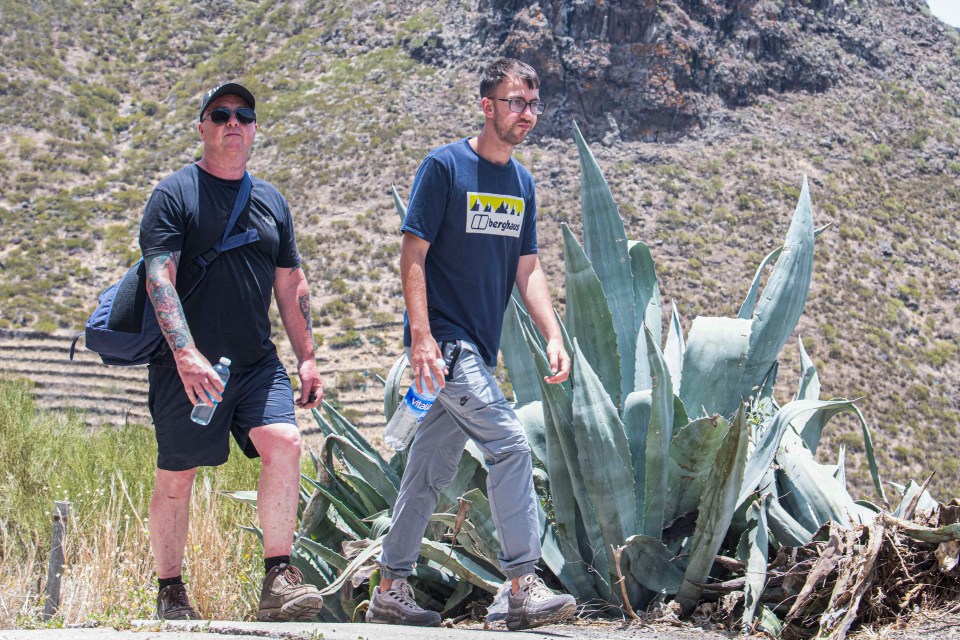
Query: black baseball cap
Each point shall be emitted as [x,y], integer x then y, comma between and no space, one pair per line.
[230,88]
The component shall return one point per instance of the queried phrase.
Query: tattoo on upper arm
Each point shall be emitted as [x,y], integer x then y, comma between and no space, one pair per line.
[166,301]
[293,270]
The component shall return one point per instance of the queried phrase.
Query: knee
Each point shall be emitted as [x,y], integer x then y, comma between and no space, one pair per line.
[175,484]
[282,443]
[514,448]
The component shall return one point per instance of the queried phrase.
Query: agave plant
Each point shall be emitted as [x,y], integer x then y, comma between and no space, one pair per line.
[656,457]
[659,455]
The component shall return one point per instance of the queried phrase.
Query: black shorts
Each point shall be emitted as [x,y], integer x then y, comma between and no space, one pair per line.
[251,399]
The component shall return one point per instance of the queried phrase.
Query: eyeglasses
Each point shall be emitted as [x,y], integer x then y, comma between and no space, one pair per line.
[221,115]
[519,105]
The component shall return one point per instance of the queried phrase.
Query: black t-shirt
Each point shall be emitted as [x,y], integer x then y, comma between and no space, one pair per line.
[228,313]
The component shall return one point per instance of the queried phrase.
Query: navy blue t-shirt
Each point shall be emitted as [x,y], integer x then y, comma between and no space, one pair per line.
[228,313]
[479,218]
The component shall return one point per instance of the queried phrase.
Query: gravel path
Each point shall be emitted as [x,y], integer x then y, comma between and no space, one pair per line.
[927,626]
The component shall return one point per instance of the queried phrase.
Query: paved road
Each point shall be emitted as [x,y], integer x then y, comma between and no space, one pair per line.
[306,631]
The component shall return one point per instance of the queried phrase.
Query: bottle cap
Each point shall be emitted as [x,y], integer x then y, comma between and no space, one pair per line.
[225,361]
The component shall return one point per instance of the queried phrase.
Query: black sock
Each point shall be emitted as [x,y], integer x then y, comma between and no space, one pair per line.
[270,563]
[166,582]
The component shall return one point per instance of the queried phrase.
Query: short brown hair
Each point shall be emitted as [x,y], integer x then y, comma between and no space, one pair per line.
[504,69]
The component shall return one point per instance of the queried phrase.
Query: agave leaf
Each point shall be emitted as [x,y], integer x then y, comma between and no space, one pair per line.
[530,415]
[636,423]
[713,364]
[717,506]
[810,427]
[769,622]
[313,513]
[652,565]
[459,564]
[578,531]
[364,557]
[810,492]
[673,351]
[588,317]
[603,454]
[325,427]
[765,405]
[398,203]
[646,290]
[841,473]
[770,439]
[345,429]
[570,535]
[460,593]
[477,534]
[375,473]
[785,528]
[924,503]
[516,356]
[750,302]
[692,453]
[871,457]
[329,556]
[646,294]
[246,497]
[782,300]
[752,552]
[605,242]
[809,387]
[392,393]
[659,435]
[946,533]
[348,514]
[371,499]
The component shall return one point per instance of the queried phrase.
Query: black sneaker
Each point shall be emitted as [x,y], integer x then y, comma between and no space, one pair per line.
[173,604]
[535,605]
[397,606]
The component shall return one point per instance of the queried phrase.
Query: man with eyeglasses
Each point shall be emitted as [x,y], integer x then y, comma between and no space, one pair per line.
[469,236]
[226,314]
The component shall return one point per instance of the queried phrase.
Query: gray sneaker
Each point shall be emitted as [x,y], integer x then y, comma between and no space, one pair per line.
[536,605]
[397,606]
[173,604]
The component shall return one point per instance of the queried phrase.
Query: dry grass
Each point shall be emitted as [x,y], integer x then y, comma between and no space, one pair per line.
[109,575]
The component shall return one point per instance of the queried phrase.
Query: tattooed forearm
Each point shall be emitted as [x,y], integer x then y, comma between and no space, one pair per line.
[166,301]
[303,302]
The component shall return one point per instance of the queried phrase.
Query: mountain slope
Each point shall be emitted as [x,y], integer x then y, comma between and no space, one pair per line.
[705,116]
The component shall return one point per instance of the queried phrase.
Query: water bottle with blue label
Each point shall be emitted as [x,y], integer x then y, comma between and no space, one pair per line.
[203,413]
[405,422]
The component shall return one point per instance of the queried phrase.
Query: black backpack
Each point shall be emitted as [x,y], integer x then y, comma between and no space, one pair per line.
[123,328]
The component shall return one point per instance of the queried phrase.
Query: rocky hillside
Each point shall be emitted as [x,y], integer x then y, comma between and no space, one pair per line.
[705,115]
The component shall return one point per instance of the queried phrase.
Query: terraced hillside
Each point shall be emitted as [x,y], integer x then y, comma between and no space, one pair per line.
[118,395]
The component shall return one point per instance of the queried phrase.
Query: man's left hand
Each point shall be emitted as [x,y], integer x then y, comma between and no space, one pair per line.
[559,362]
[311,385]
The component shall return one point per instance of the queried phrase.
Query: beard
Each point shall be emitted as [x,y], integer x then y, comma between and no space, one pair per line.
[508,134]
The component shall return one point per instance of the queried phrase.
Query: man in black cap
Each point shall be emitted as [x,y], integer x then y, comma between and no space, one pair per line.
[213,303]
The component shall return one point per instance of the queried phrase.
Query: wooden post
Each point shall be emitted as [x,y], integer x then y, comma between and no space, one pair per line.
[61,513]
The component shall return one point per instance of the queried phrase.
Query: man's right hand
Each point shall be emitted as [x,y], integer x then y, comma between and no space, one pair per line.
[427,362]
[200,381]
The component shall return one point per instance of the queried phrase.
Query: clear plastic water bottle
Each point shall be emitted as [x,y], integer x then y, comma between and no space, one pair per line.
[408,416]
[203,413]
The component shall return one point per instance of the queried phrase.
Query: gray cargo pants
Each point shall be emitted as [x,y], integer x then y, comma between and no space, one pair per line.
[470,406]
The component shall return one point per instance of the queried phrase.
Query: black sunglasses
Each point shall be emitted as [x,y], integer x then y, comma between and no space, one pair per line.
[221,115]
